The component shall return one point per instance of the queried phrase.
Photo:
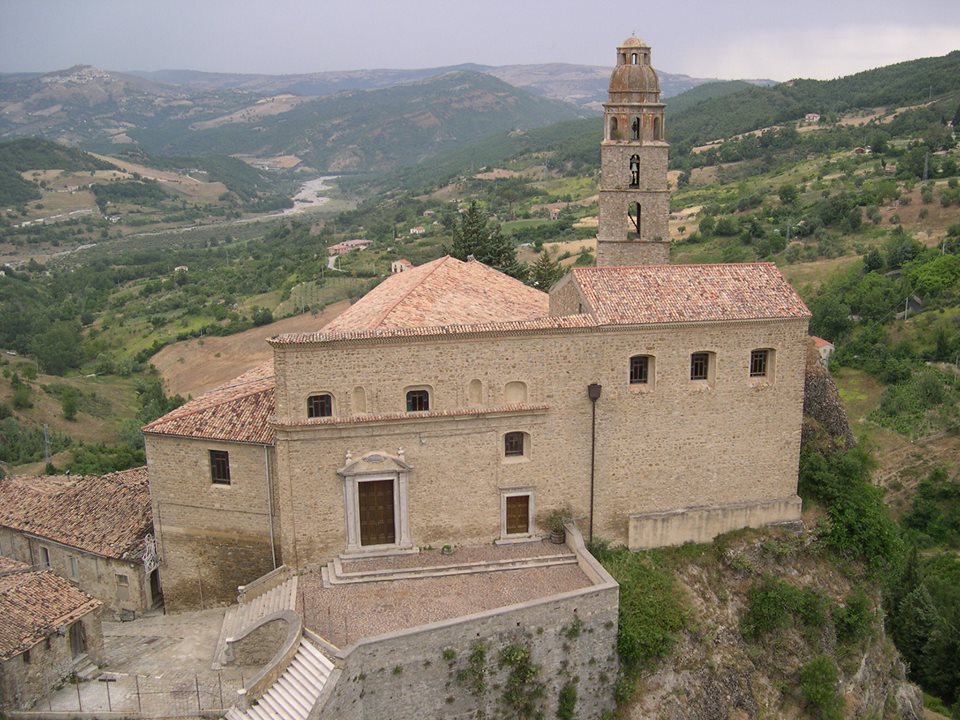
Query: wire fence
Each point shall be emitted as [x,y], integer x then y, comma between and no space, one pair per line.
[167,695]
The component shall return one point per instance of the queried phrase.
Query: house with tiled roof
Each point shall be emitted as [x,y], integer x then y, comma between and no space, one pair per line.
[48,629]
[93,530]
[655,404]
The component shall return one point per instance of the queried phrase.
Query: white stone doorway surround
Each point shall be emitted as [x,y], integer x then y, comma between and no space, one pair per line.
[376,466]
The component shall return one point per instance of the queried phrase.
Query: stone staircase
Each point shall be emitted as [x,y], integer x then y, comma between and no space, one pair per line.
[295,692]
[248,611]
[334,572]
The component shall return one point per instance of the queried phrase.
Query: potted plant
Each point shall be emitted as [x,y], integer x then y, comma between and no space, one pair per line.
[558,534]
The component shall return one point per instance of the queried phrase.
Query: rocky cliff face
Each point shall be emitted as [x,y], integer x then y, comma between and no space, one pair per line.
[716,673]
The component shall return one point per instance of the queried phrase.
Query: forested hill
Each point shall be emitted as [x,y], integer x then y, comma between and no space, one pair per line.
[37,154]
[905,83]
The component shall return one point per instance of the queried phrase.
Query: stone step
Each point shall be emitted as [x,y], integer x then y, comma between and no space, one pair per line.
[239,617]
[333,573]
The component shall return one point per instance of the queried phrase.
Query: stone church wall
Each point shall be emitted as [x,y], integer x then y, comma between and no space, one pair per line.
[673,443]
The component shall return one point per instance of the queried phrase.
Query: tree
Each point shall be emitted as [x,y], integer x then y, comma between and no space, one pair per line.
[475,235]
[58,347]
[873,261]
[788,194]
[545,272]
[68,402]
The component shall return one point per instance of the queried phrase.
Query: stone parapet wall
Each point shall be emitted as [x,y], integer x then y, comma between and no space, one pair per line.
[462,668]
[702,524]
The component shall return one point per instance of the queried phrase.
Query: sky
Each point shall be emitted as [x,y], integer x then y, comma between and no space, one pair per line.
[716,38]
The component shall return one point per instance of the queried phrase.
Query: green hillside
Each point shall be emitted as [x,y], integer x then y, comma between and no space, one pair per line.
[19,156]
[905,83]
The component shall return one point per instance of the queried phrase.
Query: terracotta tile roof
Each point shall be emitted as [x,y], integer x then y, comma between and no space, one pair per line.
[687,293]
[820,342]
[34,605]
[446,291]
[238,411]
[644,294]
[9,565]
[104,514]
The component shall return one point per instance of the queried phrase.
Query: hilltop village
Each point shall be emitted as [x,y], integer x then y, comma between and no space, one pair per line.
[417,482]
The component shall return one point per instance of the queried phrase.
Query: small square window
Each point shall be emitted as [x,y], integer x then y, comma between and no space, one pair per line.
[418,400]
[122,580]
[220,467]
[513,444]
[319,406]
[639,370]
[758,363]
[699,366]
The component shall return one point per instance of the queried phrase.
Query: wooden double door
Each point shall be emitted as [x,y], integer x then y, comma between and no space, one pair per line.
[377,515]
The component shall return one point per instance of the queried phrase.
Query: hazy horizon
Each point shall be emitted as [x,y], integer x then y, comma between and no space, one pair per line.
[819,39]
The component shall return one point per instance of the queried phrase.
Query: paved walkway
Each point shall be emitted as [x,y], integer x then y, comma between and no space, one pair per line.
[344,614]
[158,665]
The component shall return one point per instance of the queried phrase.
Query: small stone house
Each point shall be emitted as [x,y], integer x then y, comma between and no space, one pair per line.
[48,629]
[95,531]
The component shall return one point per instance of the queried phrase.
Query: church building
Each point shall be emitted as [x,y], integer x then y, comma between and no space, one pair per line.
[654,404]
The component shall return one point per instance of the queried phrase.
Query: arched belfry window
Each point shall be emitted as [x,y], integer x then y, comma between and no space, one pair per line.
[657,129]
[633,212]
[623,58]
[614,132]
[634,171]
[636,127]
[634,59]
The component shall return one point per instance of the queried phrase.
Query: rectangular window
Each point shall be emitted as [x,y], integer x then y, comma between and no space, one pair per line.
[418,401]
[758,363]
[26,657]
[122,580]
[513,444]
[123,587]
[699,366]
[639,369]
[74,566]
[220,467]
[44,558]
[319,406]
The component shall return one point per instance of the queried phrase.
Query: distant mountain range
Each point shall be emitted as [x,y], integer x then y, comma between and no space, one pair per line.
[581,85]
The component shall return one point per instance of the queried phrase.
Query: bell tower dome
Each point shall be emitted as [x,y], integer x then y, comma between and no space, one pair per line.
[634,197]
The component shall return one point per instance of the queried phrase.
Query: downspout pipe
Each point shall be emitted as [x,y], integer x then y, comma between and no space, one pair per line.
[266,466]
[593,392]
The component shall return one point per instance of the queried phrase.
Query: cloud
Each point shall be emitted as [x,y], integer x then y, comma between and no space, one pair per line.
[819,53]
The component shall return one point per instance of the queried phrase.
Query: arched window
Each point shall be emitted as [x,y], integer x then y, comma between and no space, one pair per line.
[635,171]
[515,392]
[614,131]
[657,129]
[636,127]
[634,59]
[418,400]
[319,406]
[475,392]
[359,400]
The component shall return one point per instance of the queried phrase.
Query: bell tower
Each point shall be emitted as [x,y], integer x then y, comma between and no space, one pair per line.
[634,198]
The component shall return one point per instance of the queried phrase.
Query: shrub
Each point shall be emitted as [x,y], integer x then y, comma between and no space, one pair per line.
[854,620]
[774,604]
[818,683]
[651,609]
